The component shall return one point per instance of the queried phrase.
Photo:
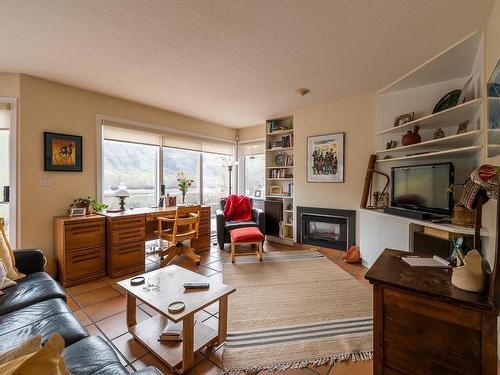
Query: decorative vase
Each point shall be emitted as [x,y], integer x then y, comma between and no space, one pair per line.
[411,137]
[183,198]
[470,276]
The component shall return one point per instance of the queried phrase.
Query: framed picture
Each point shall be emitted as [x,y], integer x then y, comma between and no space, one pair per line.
[62,152]
[275,190]
[404,119]
[77,211]
[325,158]
[257,194]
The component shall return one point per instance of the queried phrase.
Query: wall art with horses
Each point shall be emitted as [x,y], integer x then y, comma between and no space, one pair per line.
[325,158]
[62,152]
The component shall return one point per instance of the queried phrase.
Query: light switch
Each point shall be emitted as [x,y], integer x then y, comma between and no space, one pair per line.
[46,181]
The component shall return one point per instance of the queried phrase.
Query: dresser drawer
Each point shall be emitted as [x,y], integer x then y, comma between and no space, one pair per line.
[127,235]
[86,263]
[85,234]
[118,223]
[130,255]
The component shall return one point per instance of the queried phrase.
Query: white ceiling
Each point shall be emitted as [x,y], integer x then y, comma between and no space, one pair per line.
[232,62]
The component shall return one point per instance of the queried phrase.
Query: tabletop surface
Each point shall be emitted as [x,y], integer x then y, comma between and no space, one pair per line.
[171,289]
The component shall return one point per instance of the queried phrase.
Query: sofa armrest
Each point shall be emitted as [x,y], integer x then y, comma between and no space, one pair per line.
[221,226]
[29,260]
[259,217]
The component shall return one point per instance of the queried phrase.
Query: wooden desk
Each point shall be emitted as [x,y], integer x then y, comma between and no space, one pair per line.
[93,246]
[424,325]
[127,231]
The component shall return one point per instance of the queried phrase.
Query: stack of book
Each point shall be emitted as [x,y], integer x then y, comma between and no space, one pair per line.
[172,332]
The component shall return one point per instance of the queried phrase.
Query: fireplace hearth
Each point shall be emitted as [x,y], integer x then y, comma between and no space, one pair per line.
[326,227]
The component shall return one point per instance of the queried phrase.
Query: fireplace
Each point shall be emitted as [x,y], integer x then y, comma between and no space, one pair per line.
[326,227]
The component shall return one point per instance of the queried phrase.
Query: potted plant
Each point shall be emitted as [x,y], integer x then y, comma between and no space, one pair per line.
[89,203]
[184,184]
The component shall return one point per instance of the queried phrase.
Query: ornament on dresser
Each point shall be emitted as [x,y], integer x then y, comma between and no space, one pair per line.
[438,133]
[411,137]
[391,144]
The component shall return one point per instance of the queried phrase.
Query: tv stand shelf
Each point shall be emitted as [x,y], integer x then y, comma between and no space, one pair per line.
[380,230]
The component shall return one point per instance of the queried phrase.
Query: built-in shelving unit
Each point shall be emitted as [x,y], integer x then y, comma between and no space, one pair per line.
[462,151]
[279,177]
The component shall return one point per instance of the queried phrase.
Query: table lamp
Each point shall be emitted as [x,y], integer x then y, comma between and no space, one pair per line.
[121,194]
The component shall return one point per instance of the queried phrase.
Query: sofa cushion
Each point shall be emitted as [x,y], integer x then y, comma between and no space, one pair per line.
[92,355]
[230,225]
[29,290]
[43,318]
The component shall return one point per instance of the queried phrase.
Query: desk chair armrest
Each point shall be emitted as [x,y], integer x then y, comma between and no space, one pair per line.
[166,219]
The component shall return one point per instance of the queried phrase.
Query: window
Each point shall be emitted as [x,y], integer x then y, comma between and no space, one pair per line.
[7,175]
[132,165]
[215,178]
[254,174]
[175,160]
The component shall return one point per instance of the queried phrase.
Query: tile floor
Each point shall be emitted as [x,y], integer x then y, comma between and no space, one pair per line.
[100,306]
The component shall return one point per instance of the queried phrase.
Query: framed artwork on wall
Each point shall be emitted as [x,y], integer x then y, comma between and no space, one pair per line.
[62,152]
[325,158]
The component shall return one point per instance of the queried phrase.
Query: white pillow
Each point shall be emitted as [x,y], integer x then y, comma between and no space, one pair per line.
[4,281]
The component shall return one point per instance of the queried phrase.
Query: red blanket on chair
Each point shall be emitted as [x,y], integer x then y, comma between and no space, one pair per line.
[238,208]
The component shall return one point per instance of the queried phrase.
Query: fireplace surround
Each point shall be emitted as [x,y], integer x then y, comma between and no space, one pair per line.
[326,227]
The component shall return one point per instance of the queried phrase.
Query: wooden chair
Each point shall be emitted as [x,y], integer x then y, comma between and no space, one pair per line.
[183,227]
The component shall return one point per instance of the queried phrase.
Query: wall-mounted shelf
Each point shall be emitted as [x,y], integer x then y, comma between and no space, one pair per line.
[275,167]
[280,149]
[448,117]
[281,179]
[462,151]
[280,132]
[457,140]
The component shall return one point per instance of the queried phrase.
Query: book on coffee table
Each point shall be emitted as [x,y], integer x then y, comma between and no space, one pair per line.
[172,332]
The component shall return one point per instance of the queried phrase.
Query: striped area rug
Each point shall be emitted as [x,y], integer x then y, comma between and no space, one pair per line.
[295,309]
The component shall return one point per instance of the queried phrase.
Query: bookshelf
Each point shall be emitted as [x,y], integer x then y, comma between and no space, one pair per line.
[279,180]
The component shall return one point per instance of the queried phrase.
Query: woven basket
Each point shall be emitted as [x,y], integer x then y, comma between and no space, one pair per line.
[464,217]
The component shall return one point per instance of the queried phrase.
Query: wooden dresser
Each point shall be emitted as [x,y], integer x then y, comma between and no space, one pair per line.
[424,325]
[80,248]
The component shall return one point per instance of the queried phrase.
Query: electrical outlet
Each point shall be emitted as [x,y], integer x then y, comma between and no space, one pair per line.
[46,181]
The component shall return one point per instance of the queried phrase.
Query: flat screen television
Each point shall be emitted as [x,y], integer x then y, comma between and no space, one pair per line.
[423,188]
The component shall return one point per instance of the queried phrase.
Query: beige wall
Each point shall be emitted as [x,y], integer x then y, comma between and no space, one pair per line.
[252,132]
[354,116]
[9,85]
[49,106]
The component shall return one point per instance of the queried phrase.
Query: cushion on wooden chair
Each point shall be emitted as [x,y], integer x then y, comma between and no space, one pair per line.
[247,234]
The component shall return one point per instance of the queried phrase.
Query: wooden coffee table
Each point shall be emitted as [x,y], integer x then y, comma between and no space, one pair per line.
[179,356]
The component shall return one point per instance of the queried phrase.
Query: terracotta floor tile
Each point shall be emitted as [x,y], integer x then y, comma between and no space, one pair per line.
[120,356]
[116,325]
[151,360]
[212,322]
[105,309]
[148,310]
[205,367]
[215,355]
[202,315]
[83,288]
[130,347]
[82,317]
[301,371]
[322,370]
[72,304]
[94,331]
[353,368]
[96,296]
[217,266]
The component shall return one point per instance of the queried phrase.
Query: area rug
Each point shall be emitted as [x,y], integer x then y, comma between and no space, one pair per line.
[295,309]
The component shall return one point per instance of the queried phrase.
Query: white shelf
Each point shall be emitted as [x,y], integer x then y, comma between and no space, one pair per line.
[289,211]
[448,117]
[278,196]
[463,151]
[287,166]
[288,225]
[281,179]
[280,132]
[457,140]
[493,150]
[280,149]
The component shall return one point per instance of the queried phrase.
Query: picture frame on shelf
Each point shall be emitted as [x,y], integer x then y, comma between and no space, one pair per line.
[257,193]
[404,119]
[325,158]
[62,152]
[275,190]
[77,211]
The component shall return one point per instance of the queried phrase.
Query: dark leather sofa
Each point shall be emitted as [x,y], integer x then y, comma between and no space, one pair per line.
[36,306]
[223,226]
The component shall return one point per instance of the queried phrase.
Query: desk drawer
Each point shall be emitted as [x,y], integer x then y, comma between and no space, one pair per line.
[85,234]
[86,263]
[127,256]
[118,223]
[127,235]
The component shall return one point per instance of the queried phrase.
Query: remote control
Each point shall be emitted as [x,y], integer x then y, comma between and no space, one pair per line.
[196,285]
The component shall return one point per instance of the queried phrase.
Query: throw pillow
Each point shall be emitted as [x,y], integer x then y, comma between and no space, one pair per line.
[5,282]
[28,347]
[7,256]
[48,360]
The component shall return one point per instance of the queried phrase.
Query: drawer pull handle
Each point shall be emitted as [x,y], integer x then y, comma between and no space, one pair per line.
[84,258]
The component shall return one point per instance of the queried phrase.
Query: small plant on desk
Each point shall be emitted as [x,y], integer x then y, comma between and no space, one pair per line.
[184,184]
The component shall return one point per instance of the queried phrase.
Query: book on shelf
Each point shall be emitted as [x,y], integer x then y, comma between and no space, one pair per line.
[172,332]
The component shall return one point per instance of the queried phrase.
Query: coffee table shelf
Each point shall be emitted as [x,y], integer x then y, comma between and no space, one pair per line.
[170,353]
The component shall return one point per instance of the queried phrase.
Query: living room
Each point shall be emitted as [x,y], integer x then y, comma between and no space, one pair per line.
[308,127]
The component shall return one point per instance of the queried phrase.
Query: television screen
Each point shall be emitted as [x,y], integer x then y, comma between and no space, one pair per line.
[423,187]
